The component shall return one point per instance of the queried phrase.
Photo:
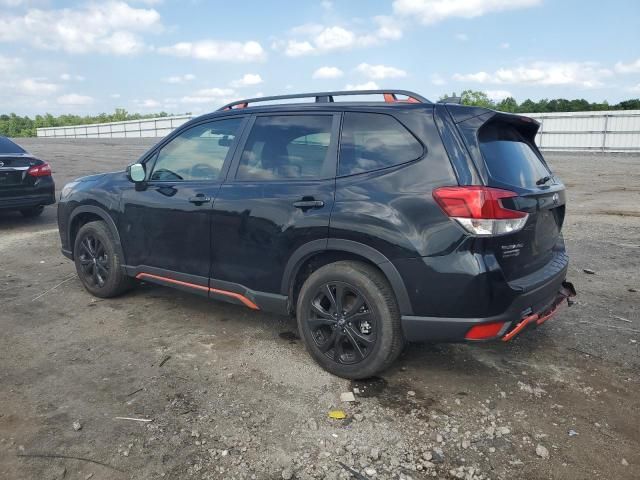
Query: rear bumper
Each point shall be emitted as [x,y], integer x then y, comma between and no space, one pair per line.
[27,201]
[528,310]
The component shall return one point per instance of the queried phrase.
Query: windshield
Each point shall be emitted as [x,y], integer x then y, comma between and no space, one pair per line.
[509,157]
[8,147]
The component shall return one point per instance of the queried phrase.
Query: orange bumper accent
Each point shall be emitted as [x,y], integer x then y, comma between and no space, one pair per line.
[537,318]
[242,298]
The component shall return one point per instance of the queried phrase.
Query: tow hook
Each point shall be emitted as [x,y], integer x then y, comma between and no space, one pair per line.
[568,291]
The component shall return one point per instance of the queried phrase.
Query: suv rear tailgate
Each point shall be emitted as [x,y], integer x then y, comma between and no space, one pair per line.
[504,151]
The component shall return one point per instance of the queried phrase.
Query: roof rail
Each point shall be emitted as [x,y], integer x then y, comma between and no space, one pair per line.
[327,97]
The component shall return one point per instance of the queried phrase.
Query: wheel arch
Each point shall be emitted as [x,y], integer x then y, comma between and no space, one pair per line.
[87,213]
[321,252]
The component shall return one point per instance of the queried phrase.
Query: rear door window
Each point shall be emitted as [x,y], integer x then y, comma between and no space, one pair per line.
[288,147]
[371,141]
[509,157]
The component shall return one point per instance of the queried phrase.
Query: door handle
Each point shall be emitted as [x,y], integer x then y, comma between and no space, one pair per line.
[306,204]
[199,199]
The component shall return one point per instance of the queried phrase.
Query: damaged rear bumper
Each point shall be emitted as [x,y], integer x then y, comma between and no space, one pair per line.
[520,317]
[566,292]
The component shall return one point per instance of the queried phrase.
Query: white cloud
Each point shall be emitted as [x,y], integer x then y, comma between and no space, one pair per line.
[327,72]
[212,96]
[115,95]
[247,79]
[371,85]
[582,74]
[180,78]
[295,48]
[75,99]
[497,95]
[148,103]
[437,79]
[462,37]
[434,11]
[632,67]
[9,64]
[505,45]
[635,89]
[318,39]
[380,72]
[326,4]
[389,28]
[104,27]
[217,50]
[12,3]
[68,77]
[332,38]
[34,86]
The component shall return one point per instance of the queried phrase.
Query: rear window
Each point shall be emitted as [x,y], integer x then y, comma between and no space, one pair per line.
[509,157]
[7,146]
[372,141]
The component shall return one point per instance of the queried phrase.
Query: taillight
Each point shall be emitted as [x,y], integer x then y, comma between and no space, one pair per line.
[43,170]
[484,331]
[479,210]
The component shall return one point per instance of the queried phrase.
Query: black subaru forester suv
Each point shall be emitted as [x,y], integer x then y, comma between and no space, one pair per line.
[374,222]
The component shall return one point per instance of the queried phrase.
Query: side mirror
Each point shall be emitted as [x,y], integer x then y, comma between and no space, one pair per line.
[136,173]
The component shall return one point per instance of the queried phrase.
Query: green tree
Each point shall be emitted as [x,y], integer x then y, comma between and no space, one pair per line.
[508,104]
[477,99]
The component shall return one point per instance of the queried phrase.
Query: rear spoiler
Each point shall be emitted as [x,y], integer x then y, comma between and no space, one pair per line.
[460,114]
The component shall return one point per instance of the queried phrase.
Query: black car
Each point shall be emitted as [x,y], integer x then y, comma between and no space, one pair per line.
[25,182]
[375,223]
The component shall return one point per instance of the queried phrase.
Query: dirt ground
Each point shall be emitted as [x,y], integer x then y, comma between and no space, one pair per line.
[231,393]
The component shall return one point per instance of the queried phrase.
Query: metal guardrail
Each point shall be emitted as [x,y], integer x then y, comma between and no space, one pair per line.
[608,131]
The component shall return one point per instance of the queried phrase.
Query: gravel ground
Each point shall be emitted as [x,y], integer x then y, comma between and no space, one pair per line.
[231,393]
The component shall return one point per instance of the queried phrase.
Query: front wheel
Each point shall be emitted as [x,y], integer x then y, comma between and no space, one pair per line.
[349,320]
[97,261]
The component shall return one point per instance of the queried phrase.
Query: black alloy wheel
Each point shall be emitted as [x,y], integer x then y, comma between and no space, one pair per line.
[94,261]
[98,261]
[342,324]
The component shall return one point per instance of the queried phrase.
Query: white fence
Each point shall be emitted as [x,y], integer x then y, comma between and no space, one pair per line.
[151,127]
[610,131]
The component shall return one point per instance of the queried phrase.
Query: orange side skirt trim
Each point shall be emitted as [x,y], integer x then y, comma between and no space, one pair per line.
[242,298]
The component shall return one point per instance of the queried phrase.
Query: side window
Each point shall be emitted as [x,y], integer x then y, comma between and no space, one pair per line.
[197,153]
[371,141]
[287,147]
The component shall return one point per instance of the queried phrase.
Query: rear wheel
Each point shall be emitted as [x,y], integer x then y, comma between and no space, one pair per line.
[32,211]
[349,319]
[97,262]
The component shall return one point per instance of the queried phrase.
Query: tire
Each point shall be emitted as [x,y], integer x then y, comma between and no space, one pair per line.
[32,211]
[97,261]
[366,340]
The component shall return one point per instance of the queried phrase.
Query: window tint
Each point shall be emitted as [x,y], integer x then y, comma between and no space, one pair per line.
[7,146]
[197,153]
[509,157]
[287,147]
[372,141]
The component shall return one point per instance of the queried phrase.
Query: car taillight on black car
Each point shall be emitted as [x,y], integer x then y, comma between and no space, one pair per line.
[479,210]
[42,170]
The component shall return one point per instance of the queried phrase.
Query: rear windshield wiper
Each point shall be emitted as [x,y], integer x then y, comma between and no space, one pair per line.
[543,180]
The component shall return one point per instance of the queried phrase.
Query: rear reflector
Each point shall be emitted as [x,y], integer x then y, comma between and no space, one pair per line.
[484,331]
[479,209]
[43,170]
